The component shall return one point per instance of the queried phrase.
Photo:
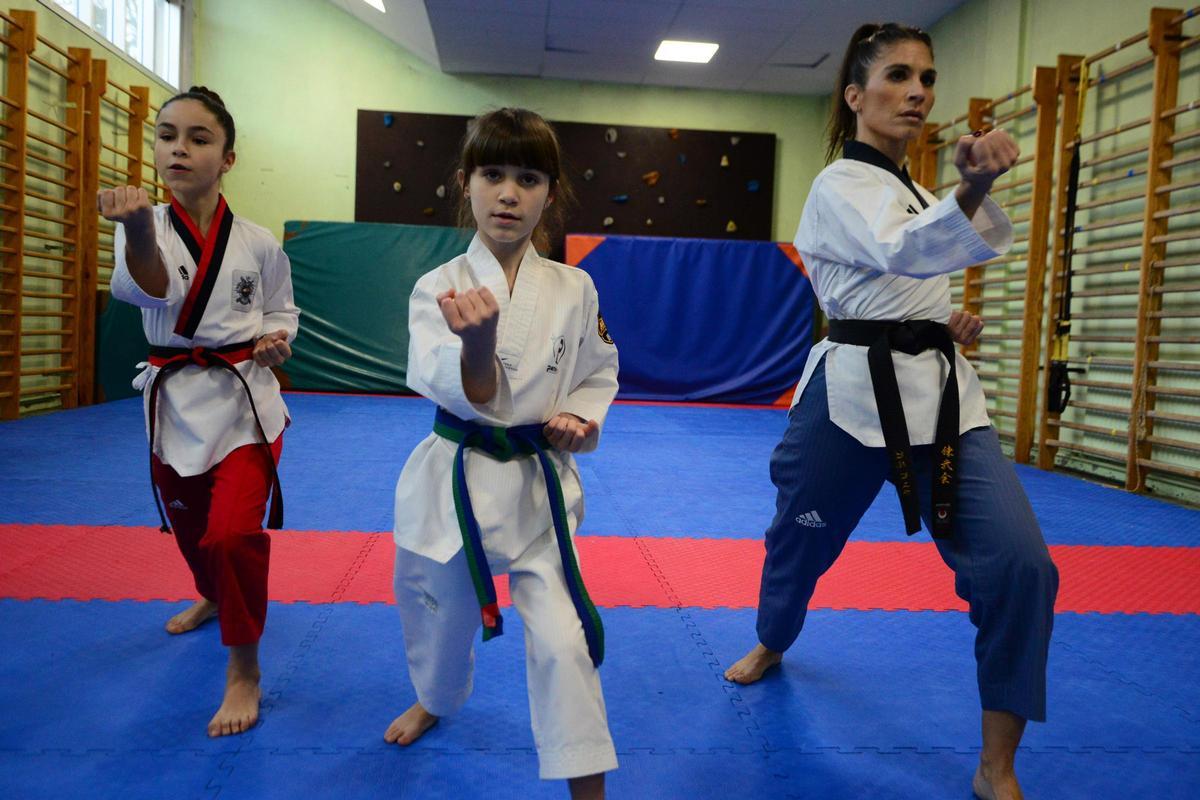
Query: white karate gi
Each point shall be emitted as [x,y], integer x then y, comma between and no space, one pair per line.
[203,413]
[869,257]
[552,359]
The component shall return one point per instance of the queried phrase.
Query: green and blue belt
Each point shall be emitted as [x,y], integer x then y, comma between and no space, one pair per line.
[505,444]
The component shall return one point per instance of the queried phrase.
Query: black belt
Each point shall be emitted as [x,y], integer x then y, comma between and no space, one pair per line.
[172,359]
[912,337]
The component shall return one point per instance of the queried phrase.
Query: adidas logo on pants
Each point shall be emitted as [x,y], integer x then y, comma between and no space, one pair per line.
[811,519]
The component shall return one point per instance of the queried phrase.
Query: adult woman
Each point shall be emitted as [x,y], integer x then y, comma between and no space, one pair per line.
[886,396]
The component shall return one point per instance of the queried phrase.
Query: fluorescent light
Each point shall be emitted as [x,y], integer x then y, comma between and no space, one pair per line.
[377,5]
[692,52]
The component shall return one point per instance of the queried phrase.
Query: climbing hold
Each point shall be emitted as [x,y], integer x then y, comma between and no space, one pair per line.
[700,201]
[620,154]
[420,142]
[387,165]
[610,135]
[608,221]
[588,174]
[673,133]
[427,212]
[682,158]
[724,161]
[649,222]
[733,140]
[387,120]
[440,191]
[752,186]
[620,198]
[651,178]
[731,227]
[662,201]
[397,186]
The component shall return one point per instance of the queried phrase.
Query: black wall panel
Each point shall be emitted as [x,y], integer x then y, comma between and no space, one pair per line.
[628,180]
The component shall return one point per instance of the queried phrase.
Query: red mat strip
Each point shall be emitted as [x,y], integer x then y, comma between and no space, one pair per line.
[120,563]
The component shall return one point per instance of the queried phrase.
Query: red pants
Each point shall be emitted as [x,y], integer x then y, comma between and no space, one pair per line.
[217,518]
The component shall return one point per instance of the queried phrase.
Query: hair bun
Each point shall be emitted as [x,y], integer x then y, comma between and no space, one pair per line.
[209,93]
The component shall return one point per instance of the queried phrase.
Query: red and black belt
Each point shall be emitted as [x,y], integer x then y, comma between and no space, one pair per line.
[170,360]
[912,337]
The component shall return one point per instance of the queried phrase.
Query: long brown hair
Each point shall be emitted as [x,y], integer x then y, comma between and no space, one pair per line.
[522,138]
[865,46]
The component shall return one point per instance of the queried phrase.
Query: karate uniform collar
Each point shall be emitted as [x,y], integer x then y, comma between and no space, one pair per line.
[517,310]
[208,253]
[860,151]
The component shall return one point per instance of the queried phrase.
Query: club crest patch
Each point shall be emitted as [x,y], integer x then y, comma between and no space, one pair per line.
[245,284]
[603,329]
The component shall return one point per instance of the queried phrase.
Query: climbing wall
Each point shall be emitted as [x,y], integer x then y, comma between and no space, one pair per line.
[628,180]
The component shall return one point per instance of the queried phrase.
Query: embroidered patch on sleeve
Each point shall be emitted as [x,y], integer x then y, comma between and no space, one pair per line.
[603,329]
[245,283]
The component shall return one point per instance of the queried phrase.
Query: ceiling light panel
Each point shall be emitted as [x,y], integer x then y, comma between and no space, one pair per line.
[689,52]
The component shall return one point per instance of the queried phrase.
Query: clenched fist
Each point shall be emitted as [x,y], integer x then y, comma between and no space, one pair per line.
[982,159]
[126,204]
[130,206]
[272,349]
[472,315]
[570,433]
[965,327]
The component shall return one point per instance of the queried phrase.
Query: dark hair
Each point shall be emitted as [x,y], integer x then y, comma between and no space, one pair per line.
[522,138]
[213,102]
[865,46]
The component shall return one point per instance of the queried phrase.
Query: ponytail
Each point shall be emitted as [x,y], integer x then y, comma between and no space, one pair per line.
[865,46]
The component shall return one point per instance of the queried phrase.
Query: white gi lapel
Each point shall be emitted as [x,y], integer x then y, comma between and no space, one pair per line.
[488,272]
[513,334]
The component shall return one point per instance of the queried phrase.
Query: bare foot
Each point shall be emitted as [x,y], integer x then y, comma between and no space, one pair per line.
[239,709]
[752,665]
[588,787]
[191,618]
[409,726]
[996,784]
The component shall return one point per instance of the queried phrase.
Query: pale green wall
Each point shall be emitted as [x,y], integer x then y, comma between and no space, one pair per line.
[295,72]
[986,48]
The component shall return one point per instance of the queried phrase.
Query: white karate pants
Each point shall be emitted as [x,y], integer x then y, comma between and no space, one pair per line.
[440,616]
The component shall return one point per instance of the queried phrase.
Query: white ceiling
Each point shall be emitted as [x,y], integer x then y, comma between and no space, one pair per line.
[778,46]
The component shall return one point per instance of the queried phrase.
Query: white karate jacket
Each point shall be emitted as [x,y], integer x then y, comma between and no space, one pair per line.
[873,254]
[554,356]
[203,413]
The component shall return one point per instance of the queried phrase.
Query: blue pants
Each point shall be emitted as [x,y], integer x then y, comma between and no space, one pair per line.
[826,480]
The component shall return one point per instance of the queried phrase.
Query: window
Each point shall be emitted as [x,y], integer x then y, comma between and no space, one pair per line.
[148,31]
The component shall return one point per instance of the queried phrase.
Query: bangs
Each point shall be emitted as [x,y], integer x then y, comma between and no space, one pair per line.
[505,138]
